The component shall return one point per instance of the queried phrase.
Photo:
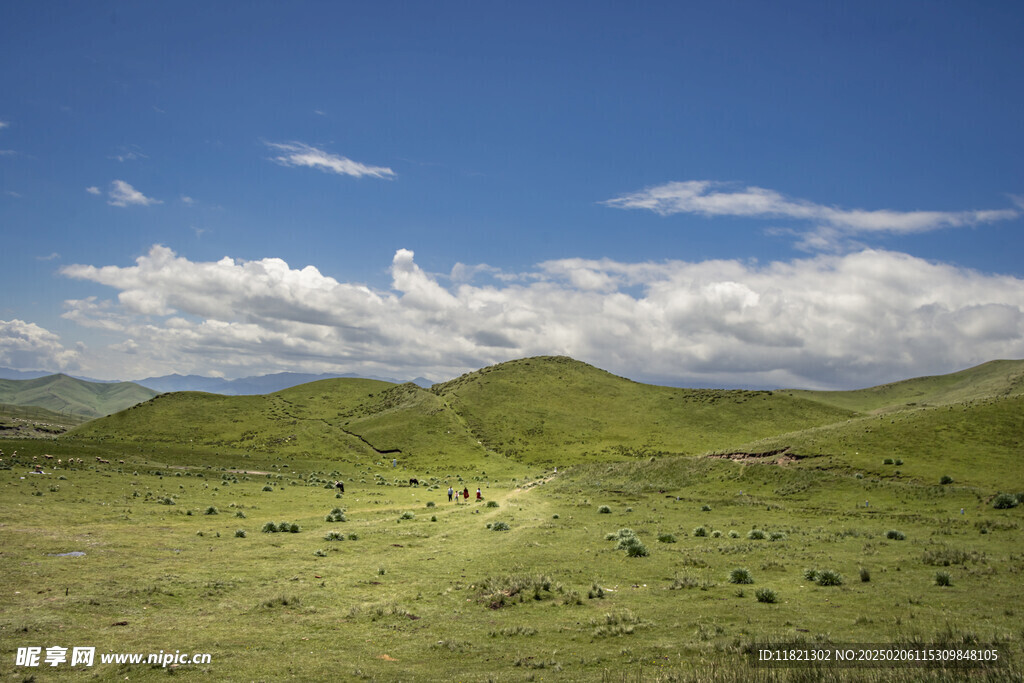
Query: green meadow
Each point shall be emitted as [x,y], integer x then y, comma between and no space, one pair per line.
[626,532]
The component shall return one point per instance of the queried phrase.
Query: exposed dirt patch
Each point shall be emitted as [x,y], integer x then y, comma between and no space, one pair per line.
[779,456]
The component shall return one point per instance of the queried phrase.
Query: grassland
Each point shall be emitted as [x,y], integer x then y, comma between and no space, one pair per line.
[426,589]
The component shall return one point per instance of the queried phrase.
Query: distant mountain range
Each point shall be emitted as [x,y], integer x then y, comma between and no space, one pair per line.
[245,386]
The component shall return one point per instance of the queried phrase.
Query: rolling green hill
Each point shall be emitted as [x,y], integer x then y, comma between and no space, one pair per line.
[992,379]
[69,396]
[558,411]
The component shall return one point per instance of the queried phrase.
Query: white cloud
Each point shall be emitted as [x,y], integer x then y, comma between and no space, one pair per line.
[300,154]
[94,190]
[27,346]
[710,198]
[829,321]
[123,194]
[185,199]
[3,124]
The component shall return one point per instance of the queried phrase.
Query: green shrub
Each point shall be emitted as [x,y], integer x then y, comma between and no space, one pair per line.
[733,533]
[335,515]
[269,528]
[666,538]
[294,528]
[740,575]
[765,595]
[756,535]
[887,461]
[500,526]
[1004,501]
[895,535]
[700,532]
[604,510]
[777,536]
[943,579]
[268,487]
[705,508]
[492,504]
[320,553]
[240,514]
[211,511]
[946,479]
[716,534]
[637,549]
[829,577]
[334,536]
[811,574]
[865,575]
[407,515]
[239,533]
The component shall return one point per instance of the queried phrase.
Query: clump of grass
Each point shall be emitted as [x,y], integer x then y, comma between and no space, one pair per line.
[613,624]
[335,515]
[431,504]
[700,532]
[740,575]
[666,538]
[268,487]
[766,595]
[811,574]
[604,510]
[240,533]
[756,535]
[943,579]
[829,577]
[514,631]
[239,514]
[334,536]
[211,511]
[716,534]
[705,508]
[630,542]
[865,575]
[888,461]
[406,515]
[492,504]
[946,479]
[595,592]
[282,601]
[1005,501]
[167,500]
[269,528]
[500,526]
[734,534]
[777,536]
[433,518]
[320,552]
[498,591]
[895,535]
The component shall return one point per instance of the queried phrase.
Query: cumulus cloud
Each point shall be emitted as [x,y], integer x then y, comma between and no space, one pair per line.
[829,321]
[710,198]
[28,346]
[123,194]
[294,154]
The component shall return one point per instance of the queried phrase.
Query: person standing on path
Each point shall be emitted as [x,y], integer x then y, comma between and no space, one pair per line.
[451,492]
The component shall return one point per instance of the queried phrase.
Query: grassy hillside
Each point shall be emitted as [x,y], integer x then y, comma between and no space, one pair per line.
[990,380]
[558,410]
[69,396]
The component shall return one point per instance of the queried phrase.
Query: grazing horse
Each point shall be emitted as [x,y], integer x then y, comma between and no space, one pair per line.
[414,482]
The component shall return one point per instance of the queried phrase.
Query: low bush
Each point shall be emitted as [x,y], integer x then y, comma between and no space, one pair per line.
[604,510]
[943,579]
[766,595]
[895,535]
[700,532]
[239,533]
[500,526]
[946,479]
[740,575]
[829,577]
[1005,501]
[666,538]
[492,504]
[756,535]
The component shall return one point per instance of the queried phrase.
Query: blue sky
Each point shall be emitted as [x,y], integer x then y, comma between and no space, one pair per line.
[708,194]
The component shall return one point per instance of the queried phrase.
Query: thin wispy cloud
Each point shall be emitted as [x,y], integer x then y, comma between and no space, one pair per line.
[712,198]
[123,194]
[298,154]
[94,190]
[3,124]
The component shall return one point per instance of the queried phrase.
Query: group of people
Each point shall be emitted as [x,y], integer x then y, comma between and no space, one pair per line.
[453,494]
